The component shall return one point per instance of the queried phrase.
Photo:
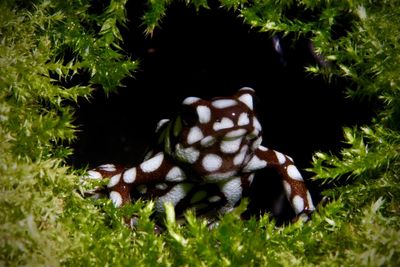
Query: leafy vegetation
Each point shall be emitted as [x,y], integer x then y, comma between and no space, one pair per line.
[54,52]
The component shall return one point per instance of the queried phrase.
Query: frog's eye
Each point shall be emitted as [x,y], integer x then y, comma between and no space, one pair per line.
[189,116]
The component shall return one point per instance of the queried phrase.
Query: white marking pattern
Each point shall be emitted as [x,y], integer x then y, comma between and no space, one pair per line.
[243,119]
[232,190]
[255,164]
[223,103]
[94,175]
[230,147]
[211,162]
[195,134]
[204,113]
[247,99]
[129,175]
[114,180]
[175,174]
[153,163]
[108,167]
[116,198]
[281,158]
[288,188]
[298,204]
[294,173]
[207,141]
[225,123]
[190,100]
[188,154]
[161,123]
[173,196]
[239,158]
[235,133]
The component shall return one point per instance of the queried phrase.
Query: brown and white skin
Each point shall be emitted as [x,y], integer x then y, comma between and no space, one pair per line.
[204,160]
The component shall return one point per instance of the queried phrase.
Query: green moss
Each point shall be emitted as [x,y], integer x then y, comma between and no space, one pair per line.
[44,220]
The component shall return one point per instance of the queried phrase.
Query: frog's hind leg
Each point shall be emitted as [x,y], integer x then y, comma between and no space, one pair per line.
[157,170]
[99,173]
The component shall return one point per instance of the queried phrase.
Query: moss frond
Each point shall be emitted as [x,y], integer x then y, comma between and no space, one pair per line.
[44,220]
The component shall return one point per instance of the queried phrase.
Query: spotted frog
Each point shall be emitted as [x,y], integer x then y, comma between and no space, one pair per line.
[205,159]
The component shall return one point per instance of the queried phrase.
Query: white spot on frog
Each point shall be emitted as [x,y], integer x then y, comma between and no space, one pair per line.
[152,164]
[243,119]
[294,173]
[232,190]
[173,196]
[188,154]
[231,146]
[161,124]
[195,134]
[298,204]
[107,167]
[223,103]
[114,180]
[225,123]
[204,113]
[254,164]
[207,141]
[116,198]
[247,99]
[161,186]
[190,100]
[94,175]
[235,134]
[129,175]
[281,158]
[211,162]
[175,175]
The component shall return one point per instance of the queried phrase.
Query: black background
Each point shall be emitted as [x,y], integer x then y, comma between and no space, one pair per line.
[206,54]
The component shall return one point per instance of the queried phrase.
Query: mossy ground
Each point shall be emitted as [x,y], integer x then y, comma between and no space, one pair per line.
[44,220]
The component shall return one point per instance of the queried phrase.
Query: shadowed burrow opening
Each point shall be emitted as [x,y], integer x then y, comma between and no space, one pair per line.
[209,53]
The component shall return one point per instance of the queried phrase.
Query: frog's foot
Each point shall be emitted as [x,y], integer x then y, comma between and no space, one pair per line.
[303,216]
[91,182]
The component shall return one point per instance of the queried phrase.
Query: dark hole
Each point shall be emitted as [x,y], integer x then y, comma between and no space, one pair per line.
[207,54]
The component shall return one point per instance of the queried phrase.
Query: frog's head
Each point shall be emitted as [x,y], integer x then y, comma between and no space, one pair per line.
[218,135]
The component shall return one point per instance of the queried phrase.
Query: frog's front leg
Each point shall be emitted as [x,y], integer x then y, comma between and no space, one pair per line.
[158,169]
[293,183]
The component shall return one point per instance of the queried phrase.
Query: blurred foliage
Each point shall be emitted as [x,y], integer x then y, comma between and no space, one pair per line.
[54,52]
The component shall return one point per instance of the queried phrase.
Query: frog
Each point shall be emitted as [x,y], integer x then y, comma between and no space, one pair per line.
[205,159]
